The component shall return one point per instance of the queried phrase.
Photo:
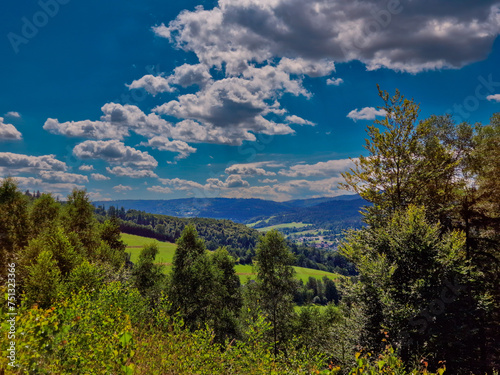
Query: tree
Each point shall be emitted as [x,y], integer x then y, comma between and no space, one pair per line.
[404,267]
[387,177]
[229,300]
[192,286]
[79,218]
[44,213]
[276,284]
[14,227]
[44,280]
[148,277]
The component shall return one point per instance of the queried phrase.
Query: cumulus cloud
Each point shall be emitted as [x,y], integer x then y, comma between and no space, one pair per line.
[326,168]
[131,172]
[164,144]
[59,176]
[116,123]
[429,34]
[33,183]
[86,167]
[367,113]
[115,152]
[235,181]
[121,188]
[249,169]
[334,81]
[152,84]
[180,184]
[17,163]
[13,114]
[495,98]
[8,132]
[268,181]
[99,177]
[298,120]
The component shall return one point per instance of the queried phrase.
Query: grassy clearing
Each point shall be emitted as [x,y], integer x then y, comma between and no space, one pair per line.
[251,225]
[244,272]
[135,243]
[283,226]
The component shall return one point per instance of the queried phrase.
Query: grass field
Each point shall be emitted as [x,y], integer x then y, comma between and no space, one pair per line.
[283,226]
[167,250]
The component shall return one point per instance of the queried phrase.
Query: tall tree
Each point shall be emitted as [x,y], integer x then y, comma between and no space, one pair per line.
[147,276]
[386,177]
[14,225]
[275,282]
[228,301]
[192,280]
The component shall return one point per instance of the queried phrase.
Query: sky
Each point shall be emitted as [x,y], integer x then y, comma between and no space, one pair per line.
[150,99]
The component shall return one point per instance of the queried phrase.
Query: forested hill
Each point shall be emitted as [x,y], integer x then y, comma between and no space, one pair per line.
[245,210]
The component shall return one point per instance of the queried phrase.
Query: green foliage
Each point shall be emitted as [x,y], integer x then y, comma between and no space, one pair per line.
[14,228]
[43,214]
[275,284]
[44,280]
[89,333]
[148,277]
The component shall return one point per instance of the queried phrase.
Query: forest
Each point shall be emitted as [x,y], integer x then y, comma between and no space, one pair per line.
[423,299]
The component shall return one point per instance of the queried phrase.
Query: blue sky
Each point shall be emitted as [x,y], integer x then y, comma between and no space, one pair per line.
[242,98]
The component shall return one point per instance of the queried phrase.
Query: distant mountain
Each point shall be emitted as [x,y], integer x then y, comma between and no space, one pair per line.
[244,210]
[238,210]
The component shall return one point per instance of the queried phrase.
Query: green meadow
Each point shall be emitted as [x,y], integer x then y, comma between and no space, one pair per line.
[244,271]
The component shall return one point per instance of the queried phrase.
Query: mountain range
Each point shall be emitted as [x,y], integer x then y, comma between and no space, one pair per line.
[313,211]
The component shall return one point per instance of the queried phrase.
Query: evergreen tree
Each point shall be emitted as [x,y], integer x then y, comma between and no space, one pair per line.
[192,286]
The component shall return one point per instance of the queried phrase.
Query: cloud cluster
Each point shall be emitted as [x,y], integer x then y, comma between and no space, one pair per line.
[8,132]
[367,113]
[249,169]
[402,35]
[115,152]
[327,168]
[131,172]
[19,163]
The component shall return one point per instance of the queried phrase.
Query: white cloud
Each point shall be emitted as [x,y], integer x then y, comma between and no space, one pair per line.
[8,132]
[326,168]
[13,114]
[160,189]
[250,169]
[114,152]
[115,123]
[152,84]
[33,183]
[86,167]
[235,181]
[495,98]
[298,120]
[367,113]
[59,176]
[334,81]
[99,177]
[121,188]
[16,163]
[164,144]
[180,184]
[184,75]
[430,35]
[131,172]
